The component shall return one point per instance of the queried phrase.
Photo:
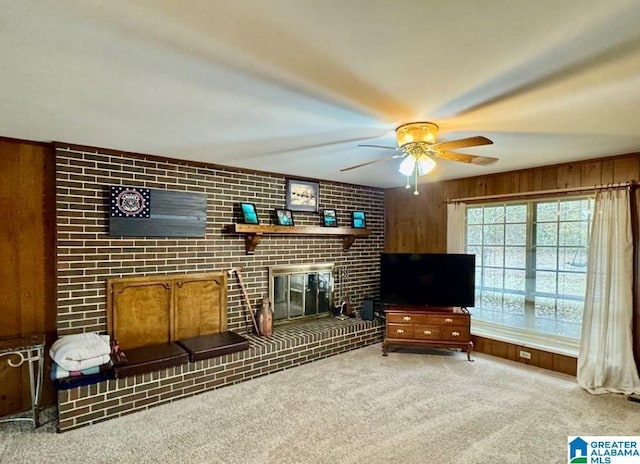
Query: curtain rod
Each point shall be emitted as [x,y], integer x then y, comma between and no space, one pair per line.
[543,192]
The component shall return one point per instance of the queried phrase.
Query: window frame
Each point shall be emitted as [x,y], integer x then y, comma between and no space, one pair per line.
[524,336]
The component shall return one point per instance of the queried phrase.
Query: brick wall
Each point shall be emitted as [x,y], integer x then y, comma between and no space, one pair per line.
[87,255]
[289,347]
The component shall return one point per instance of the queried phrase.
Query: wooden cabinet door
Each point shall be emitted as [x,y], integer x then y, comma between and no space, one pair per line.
[148,310]
[201,305]
[140,312]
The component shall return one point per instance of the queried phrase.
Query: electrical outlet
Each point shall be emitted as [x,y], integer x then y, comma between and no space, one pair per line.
[525,354]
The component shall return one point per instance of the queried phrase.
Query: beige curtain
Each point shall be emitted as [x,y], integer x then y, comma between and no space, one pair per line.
[635,227]
[605,362]
[456,222]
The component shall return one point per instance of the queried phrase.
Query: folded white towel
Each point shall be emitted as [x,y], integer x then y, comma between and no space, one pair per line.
[80,351]
[71,365]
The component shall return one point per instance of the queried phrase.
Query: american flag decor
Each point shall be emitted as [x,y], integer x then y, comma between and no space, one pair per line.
[130,202]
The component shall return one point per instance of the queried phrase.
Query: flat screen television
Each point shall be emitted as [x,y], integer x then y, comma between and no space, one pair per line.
[427,279]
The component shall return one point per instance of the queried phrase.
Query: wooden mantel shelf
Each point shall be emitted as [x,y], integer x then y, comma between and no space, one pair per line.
[253,233]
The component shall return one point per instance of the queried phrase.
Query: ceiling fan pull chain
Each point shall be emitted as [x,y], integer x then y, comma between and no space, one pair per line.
[408,186]
[415,192]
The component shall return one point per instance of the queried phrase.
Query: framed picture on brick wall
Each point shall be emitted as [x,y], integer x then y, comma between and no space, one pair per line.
[249,213]
[358,220]
[284,217]
[302,195]
[329,218]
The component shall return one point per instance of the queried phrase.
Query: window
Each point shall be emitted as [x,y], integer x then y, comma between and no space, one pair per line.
[531,262]
[301,291]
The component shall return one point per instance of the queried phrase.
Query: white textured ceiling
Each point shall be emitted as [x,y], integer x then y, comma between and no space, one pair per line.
[293,86]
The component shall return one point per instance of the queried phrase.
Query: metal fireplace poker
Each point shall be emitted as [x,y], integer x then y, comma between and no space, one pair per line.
[342,308]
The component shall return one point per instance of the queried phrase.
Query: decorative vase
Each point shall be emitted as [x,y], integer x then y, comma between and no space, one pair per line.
[265,318]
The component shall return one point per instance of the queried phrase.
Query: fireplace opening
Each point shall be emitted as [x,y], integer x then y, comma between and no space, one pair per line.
[301,291]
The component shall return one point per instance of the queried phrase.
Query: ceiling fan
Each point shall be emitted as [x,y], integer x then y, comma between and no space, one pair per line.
[418,150]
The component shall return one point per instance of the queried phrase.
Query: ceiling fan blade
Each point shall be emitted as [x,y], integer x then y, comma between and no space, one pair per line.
[369,162]
[380,146]
[462,143]
[462,158]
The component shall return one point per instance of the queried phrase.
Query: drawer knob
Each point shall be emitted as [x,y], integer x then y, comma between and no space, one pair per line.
[455,334]
[427,332]
[448,320]
[406,318]
[400,331]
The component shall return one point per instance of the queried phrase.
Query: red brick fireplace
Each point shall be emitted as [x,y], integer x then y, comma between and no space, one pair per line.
[87,256]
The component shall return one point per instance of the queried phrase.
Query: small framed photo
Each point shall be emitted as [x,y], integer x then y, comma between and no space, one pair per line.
[284,217]
[358,220]
[249,214]
[329,218]
[302,195]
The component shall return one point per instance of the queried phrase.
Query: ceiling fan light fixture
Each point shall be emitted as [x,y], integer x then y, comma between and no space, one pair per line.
[420,151]
[425,165]
[413,132]
[407,166]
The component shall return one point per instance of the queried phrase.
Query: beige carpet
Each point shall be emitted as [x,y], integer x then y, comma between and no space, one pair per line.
[358,407]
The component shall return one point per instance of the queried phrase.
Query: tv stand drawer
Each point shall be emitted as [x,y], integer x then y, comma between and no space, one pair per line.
[456,333]
[429,332]
[446,320]
[406,318]
[399,331]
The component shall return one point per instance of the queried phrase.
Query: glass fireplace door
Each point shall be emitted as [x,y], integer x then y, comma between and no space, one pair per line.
[301,291]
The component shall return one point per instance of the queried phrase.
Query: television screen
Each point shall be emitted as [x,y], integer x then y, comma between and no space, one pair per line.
[427,279]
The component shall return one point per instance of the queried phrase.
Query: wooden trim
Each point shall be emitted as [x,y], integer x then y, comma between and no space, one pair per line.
[538,358]
[253,233]
[294,230]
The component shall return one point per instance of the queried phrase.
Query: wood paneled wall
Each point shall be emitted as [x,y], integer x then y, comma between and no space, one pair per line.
[415,224]
[27,254]
[418,224]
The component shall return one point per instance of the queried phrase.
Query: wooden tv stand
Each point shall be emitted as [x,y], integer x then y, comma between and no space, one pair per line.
[428,326]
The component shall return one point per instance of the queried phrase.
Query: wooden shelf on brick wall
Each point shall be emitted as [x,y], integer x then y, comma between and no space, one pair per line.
[253,233]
